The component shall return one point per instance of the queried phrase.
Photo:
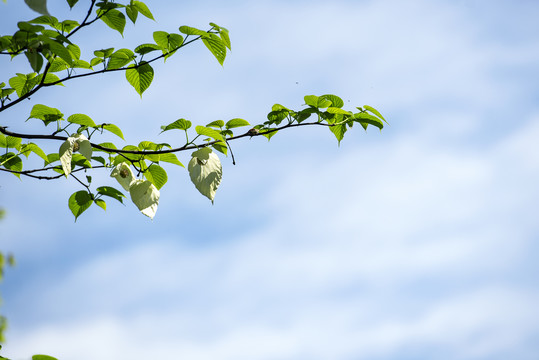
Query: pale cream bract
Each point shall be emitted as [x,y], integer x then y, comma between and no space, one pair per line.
[67,149]
[205,171]
[145,195]
[123,173]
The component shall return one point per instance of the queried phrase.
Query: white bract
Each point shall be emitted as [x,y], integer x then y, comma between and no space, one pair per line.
[146,196]
[123,173]
[205,171]
[74,143]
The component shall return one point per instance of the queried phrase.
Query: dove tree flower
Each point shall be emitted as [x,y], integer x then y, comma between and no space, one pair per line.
[205,171]
[74,143]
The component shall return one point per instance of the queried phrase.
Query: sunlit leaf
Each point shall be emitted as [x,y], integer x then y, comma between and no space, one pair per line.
[113,18]
[78,203]
[216,47]
[140,77]
[39,6]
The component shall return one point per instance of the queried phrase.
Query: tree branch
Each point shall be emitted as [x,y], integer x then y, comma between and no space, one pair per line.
[4,131]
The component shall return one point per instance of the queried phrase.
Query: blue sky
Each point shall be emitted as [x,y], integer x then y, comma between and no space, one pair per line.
[419,242]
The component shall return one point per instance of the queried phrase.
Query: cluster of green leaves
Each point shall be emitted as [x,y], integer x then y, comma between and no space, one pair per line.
[47,44]
[53,56]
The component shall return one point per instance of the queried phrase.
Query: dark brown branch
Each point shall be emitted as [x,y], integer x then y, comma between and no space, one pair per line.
[39,177]
[158,152]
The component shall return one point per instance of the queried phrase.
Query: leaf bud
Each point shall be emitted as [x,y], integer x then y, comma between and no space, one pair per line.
[253,132]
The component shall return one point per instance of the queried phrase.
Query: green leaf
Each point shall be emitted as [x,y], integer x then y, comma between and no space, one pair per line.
[216,124]
[67,26]
[311,100]
[161,38]
[50,79]
[304,114]
[3,141]
[374,111]
[140,77]
[96,61]
[45,113]
[52,158]
[26,149]
[111,192]
[132,13]
[120,58]
[323,103]
[234,123]
[82,64]
[368,119]
[35,59]
[275,117]
[225,37]
[216,47]
[169,43]
[180,124]
[81,119]
[335,100]
[104,53]
[78,203]
[114,129]
[147,48]
[336,110]
[221,147]
[113,18]
[205,172]
[74,50]
[188,30]
[156,175]
[170,158]
[101,203]
[205,131]
[338,131]
[39,6]
[58,49]
[23,83]
[43,357]
[57,64]
[11,142]
[45,20]
[143,9]
[72,3]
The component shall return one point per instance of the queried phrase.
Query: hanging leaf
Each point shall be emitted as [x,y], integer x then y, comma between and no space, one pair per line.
[143,9]
[140,77]
[205,171]
[39,6]
[338,131]
[113,18]
[374,111]
[78,203]
[216,46]
[110,192]
[114,129]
